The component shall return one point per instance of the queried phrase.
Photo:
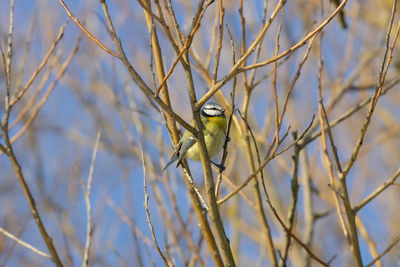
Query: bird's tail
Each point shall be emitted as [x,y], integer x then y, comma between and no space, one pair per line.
[172,160]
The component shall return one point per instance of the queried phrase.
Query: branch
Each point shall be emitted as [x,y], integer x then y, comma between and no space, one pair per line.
[24,244]
[381,81]
[86,32]
[395,241]
[377,192]
[299,43]
[146,201]
[41,66]
[87,189]
[235,69]
[233,108]
[293,202]
[135,76]
[241,60]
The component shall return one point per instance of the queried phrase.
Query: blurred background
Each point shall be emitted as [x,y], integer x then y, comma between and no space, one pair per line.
[83,92]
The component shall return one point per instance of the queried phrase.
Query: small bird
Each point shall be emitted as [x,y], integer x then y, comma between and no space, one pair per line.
[214,127]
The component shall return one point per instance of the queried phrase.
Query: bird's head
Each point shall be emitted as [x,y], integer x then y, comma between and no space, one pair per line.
[212,109]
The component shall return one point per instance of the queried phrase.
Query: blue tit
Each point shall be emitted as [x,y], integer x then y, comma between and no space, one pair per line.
[214,127]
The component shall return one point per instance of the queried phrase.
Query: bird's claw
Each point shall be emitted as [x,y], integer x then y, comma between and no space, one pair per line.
[220,166]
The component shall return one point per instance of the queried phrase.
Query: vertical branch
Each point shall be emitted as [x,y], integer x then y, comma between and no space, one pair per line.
[174,201]
[155,45]
[277,121]
[28,195]
[258,52]
[293,202]
[233,108]
[87,190]
[215,215]
[8,149]
[378,90]
[213,39]
[249,154]
[188,42]
[256,188]
[220,36]
[194,194]
[146,202]
[9,52]
[8,60]
[309,218]
[351,232]
[243,24]
[295,78]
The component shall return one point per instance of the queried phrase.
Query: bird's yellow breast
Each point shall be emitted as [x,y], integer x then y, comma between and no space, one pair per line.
[219,122]
[214,136]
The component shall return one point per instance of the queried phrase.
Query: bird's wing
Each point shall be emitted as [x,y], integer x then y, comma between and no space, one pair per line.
[191,140]
[174,156]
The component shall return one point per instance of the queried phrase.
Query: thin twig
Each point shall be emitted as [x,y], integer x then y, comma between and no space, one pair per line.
[258,52]
[274,86]
[135,75]
[347,114]
[28,106]
[146,201]
[243,29]
[234,70]
[323,119]
[87,190]
[377,192]
[267,159]
[256,189]
[9,54]
[233,108]
[195,188]
[86,32]
[293,202]
[312,255]
[39,105]
[29,197]
[23,243]
[309,218]
[187,44]
[381,81]
[10,152]
[147,8]
[41,66]
[288,231]
[295,78]
[299,43]
[220,36]
[213,40]
[395,241]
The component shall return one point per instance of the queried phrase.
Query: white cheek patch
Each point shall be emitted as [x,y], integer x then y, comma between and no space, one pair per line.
[212,112]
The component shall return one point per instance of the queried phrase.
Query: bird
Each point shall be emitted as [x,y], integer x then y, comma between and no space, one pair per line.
[214,129]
